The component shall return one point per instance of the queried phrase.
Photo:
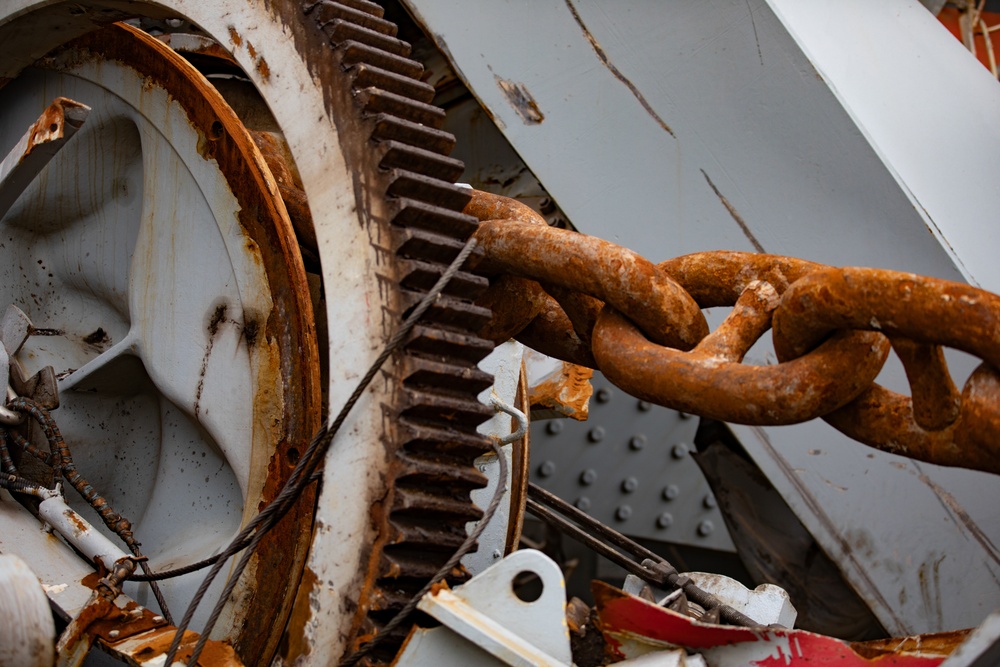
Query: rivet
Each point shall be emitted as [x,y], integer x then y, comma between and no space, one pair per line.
[705,528]
[582,503]
[683,415]
[645,406]
[547,468]
[630,484]
[603,395]
[496,553]
[113,633]
[665,520]
[679,450]
[554,427]
[623,513]
[671,491]
[482,468]
[637,442]
[596,434]
[158,619]
[588,477]
[709,501]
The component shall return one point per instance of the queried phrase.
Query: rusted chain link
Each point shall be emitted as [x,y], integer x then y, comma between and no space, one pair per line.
[594,303]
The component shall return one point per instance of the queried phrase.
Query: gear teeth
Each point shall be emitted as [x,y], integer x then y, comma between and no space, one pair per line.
[419,243]
[400,156]
[463,413]
[353,53]
[339,31]
[421,276]
[375,100]
[399,129]
[435,413]
[417,214]
[450,312]
[327,11]
[433,342]
[416,186]
[424,373]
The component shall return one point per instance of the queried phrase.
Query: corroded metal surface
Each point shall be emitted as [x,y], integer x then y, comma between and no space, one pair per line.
[920,315]
[644,328]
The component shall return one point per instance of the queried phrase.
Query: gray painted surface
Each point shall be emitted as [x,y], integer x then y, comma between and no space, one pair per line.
[678,127]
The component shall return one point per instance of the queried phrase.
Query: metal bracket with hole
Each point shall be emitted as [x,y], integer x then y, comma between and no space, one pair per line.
[486,623]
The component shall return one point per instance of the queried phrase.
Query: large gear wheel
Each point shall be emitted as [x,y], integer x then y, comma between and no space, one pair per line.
[373,165]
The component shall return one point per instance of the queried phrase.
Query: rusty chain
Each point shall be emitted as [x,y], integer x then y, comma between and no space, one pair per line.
[594,303]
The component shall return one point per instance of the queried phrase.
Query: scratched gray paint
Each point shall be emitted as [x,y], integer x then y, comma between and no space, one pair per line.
[674,107]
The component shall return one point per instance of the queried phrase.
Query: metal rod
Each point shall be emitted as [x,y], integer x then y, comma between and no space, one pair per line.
[654,569]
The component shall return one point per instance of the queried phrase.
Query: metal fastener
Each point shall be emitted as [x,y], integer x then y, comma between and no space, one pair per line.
[679,450]
[665,520]
[705,528]
[497,553]
[603,395]
[588,477]
[113,633]
[671,491]
[709,501]
[554,427]
[630,484]
[596,434]
[582,503]
[623,513]
[637,442]
[547,468]
[645,406]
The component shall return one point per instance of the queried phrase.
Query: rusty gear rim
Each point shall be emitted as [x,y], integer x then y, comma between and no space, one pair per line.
[383,239]
[166,371]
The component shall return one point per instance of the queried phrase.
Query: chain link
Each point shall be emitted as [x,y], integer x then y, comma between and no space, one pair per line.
[591,302]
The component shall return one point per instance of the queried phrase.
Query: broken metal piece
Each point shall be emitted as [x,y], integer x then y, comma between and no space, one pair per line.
[57,125]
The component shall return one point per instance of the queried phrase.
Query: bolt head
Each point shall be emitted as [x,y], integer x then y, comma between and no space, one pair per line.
[637,442]
[554,427]
[547,469]
[582,503]
[630,484]
[706,528]
[588,477]
[679,451]
[596,434]
[671,491]
[645,406]
[665,520]
[709,501]
[623,512]
[603,395]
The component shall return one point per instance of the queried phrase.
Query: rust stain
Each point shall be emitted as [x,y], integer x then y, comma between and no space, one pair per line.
[252,51]
[235,37]
[77,522]
[603,56]
[940,644]
[294,643]
[263,68]
[521,100]
[735,215]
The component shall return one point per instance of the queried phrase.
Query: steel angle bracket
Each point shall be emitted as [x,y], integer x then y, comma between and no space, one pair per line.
[486,623]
